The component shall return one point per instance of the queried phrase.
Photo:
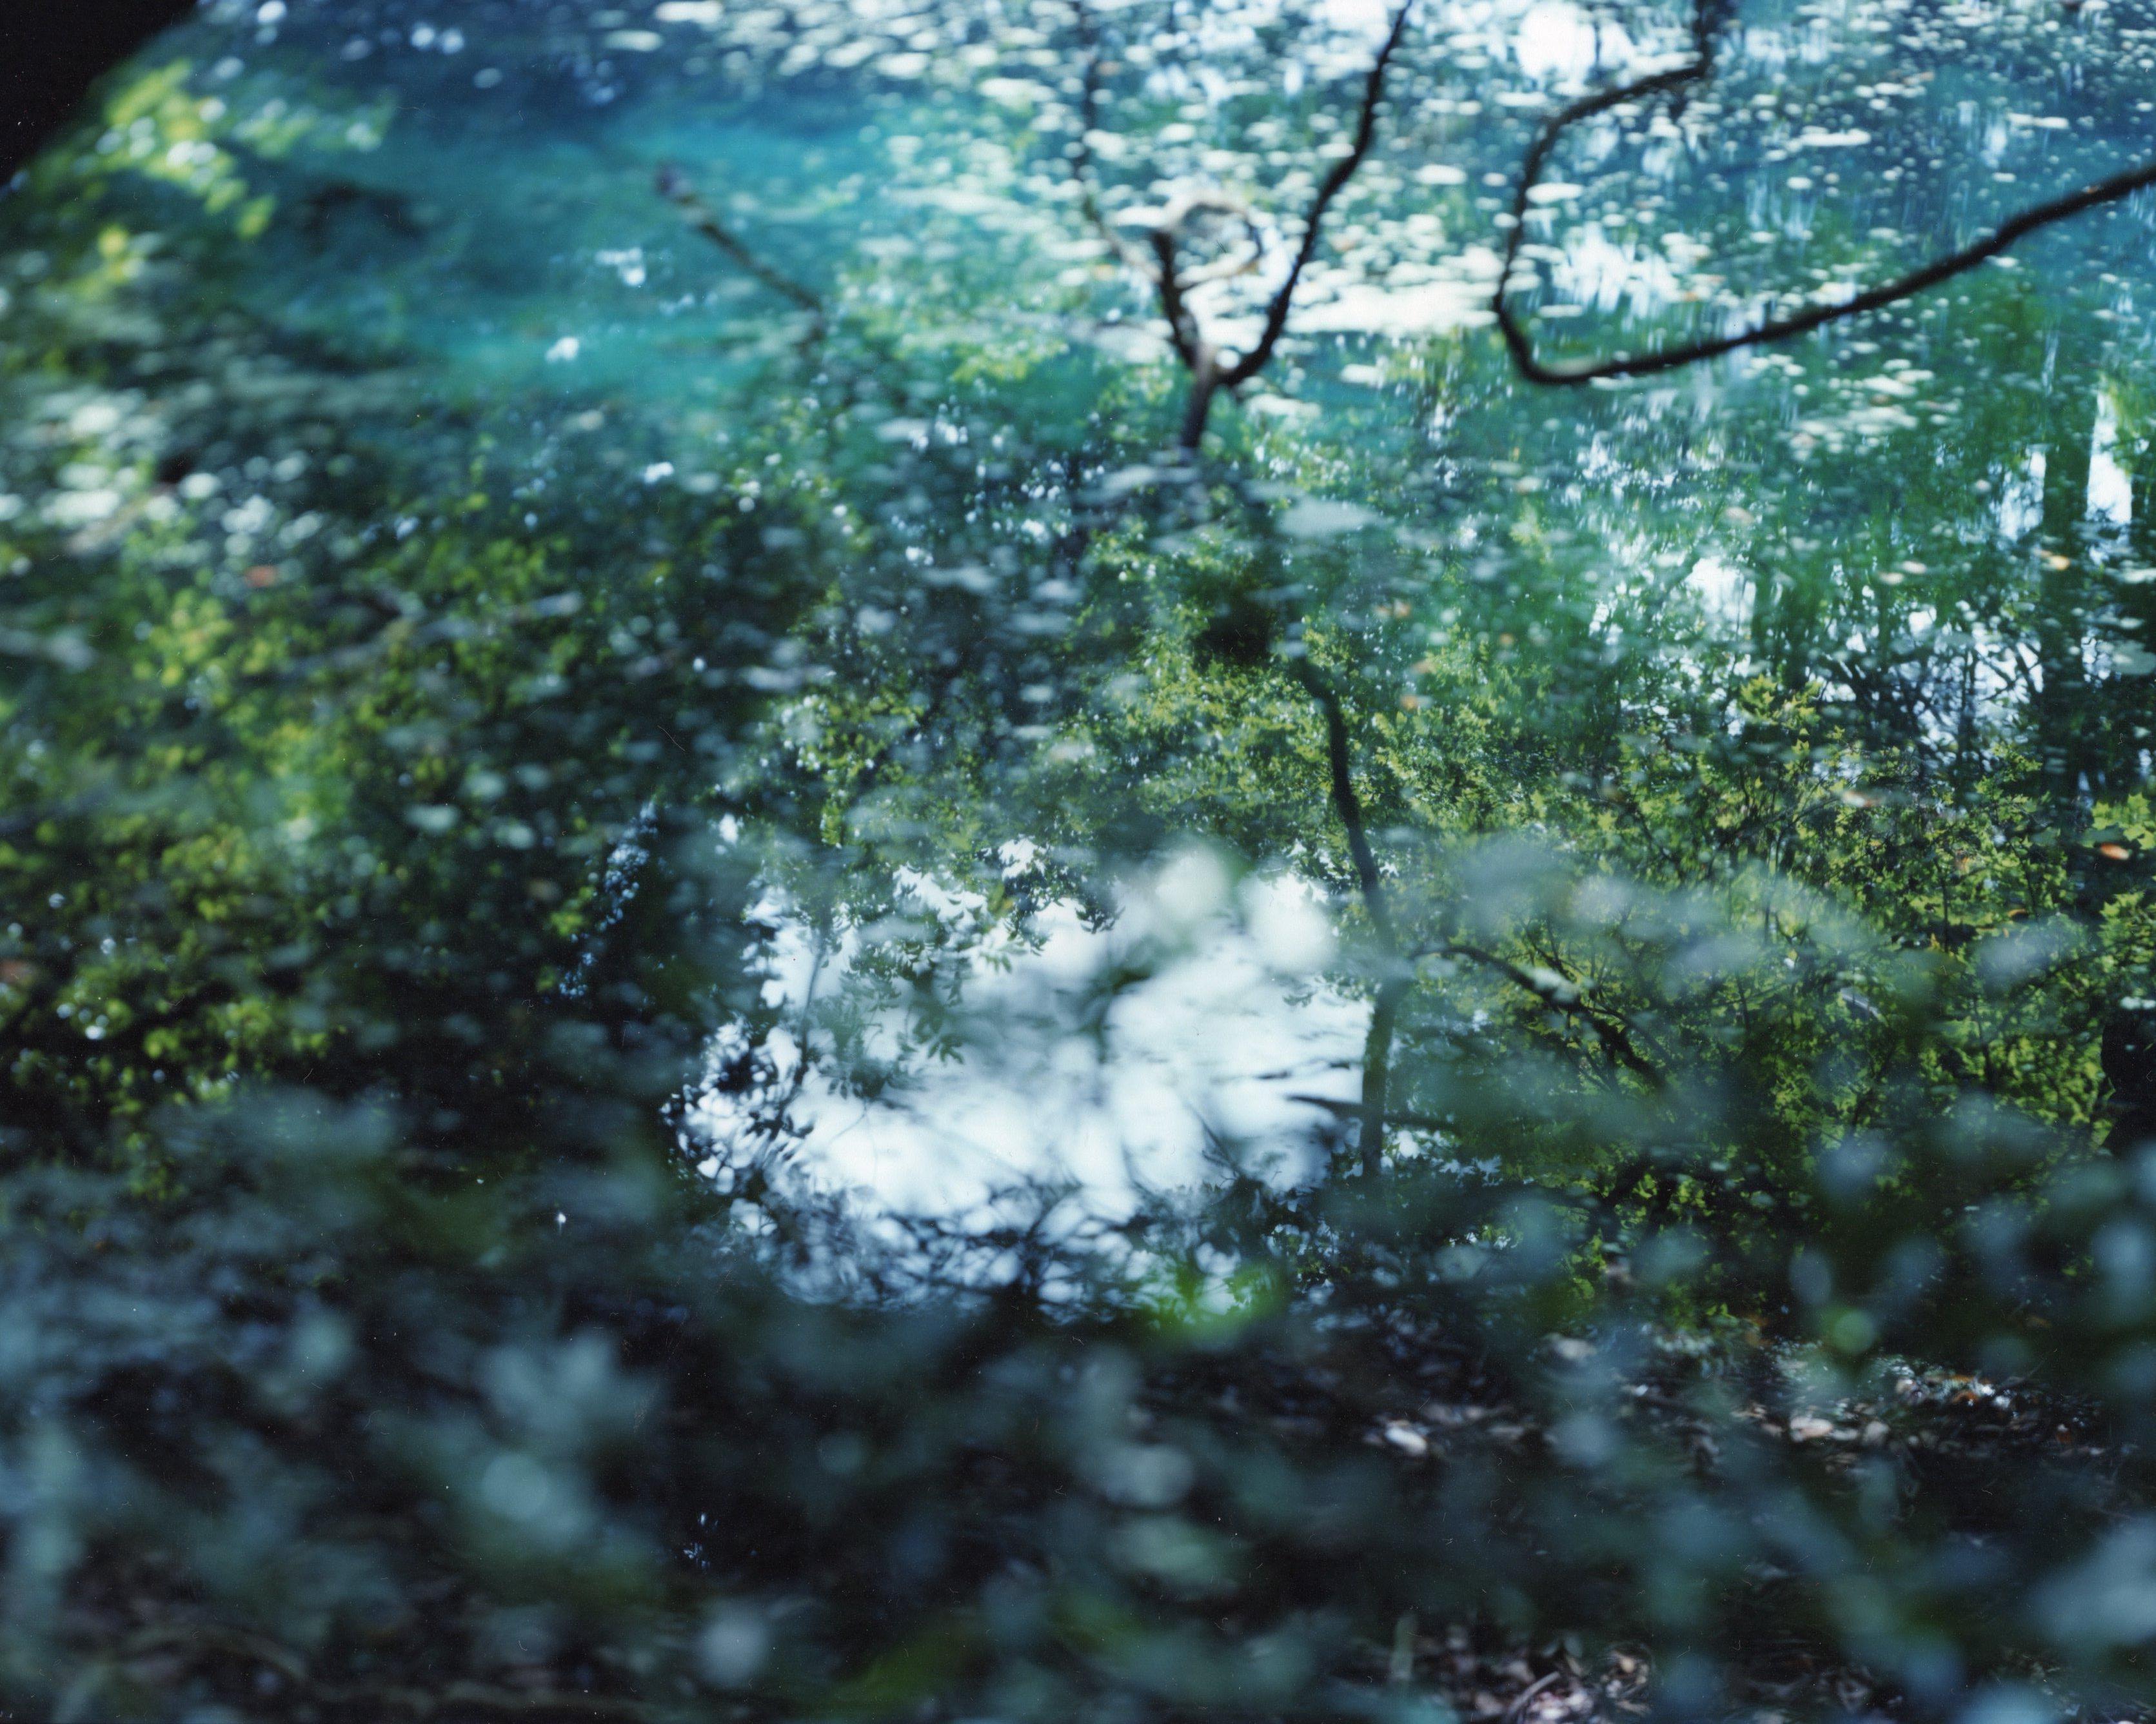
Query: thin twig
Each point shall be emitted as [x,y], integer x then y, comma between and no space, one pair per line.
[1707,19]
[801,1034]
[1081,156]
[676,188]
[1562,994]
[1519,1701]
[1210,371]
[1353,1109]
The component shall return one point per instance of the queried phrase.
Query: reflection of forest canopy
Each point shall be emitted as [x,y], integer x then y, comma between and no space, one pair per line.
[1725,1274]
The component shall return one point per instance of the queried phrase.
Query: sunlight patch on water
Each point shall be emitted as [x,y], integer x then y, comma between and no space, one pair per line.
[1725,592]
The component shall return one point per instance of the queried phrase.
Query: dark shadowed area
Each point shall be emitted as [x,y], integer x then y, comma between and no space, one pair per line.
[53,53]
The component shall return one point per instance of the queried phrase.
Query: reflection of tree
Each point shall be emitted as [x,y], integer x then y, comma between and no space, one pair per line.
[2059,706]
[1708,18]
[1892,680]
[609,1405]
[1384,1013]
[1211,369]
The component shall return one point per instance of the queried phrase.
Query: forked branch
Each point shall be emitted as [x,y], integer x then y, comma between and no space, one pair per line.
[1707,18]
[1211,370]
[1344,170]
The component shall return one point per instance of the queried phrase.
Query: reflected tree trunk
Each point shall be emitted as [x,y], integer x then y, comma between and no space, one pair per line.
[2058,712]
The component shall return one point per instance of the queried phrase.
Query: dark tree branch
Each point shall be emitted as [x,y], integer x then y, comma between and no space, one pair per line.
[1346,802]
[1384,1011]
[1168,280]
[1562,994]
[1344,170]
[1707,19]
[1210,370]
[1081,156]
[1160,270]
[675,187]
[1353,1109]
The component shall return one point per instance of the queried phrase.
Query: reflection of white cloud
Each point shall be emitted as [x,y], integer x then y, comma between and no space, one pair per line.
[1555,43]
[1365,17]
[1594,270]
[1724,590]
[1422,308]
[1062,1078]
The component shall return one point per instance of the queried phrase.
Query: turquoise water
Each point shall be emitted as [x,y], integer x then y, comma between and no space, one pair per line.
[510,207]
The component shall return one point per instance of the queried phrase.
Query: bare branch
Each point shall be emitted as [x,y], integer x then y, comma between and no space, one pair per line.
[1366,132]
[675,187]
[1183,332]
[1210,371]
[1707,19]
[1563,994]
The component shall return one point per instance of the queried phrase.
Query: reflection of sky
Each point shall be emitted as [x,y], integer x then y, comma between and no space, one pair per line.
[2110,495]
[1553,40]
[1223,1029]
[2110,490]
[1555,43]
